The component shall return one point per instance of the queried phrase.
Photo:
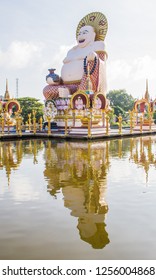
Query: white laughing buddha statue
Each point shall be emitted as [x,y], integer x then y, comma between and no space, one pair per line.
[88,57]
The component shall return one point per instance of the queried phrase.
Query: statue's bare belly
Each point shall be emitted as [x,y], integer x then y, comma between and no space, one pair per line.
[72,71]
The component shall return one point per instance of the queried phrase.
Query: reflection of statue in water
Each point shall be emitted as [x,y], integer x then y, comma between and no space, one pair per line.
[93,232]
[85,204]
[82,177]
[89,51]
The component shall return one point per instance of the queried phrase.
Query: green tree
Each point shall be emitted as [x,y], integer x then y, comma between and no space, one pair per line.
[28,104]
[120,101]
[154,117]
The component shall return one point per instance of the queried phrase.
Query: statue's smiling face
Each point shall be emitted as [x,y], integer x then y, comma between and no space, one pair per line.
[85,36]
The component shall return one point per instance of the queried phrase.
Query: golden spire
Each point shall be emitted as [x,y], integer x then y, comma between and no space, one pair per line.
[7,95]
[147,97]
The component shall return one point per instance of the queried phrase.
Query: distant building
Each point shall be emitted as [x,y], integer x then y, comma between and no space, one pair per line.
[145,104]
[144,107]
[8,106]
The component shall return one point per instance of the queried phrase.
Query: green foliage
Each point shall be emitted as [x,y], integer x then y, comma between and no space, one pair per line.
[147,116]
[111,116]
[119,111]
[154,117]
[121,101]
[28,104]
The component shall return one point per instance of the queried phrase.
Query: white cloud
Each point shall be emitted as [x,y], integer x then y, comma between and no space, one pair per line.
[137,69]
[62,52]
[118,69]
[56,61]
[20,54]
[23,190]
[145,67]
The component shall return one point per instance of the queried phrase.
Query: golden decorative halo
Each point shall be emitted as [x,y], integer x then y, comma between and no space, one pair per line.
[103,99]
[143,100]
[98,21]
[13,101]
[79,93]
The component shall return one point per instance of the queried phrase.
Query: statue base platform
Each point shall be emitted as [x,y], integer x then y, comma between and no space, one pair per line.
[84,131]
[94,122]
[11,128]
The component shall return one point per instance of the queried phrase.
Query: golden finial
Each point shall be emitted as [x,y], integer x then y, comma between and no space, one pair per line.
[146,85]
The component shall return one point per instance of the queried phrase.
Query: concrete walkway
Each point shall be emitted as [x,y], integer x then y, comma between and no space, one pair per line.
[82,134]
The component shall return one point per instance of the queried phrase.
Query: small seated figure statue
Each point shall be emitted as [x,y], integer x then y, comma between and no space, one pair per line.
[88,55]
[8,119]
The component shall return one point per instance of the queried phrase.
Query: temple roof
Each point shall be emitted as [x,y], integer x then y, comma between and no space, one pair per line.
[147,96]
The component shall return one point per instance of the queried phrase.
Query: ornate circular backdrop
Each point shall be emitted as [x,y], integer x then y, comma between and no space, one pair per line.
[98,21]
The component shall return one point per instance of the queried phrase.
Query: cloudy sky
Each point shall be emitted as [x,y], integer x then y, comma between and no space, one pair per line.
[36,34]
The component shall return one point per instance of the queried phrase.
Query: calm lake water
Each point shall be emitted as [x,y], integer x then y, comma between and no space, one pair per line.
[78,200]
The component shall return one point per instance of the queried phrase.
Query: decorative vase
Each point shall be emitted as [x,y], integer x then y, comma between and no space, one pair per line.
[52,78]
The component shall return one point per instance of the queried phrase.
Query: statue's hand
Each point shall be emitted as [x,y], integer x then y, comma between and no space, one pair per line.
[50,80]
[91,56]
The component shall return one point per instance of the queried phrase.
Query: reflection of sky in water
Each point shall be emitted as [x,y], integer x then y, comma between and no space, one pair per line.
[78,200]
[23,185]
